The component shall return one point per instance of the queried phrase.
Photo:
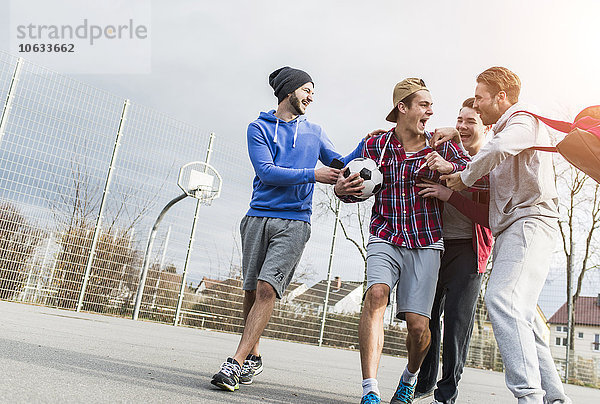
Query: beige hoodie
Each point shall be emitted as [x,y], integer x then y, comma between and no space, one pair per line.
[521,181]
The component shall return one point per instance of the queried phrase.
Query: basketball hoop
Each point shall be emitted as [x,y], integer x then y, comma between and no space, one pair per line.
[201,181]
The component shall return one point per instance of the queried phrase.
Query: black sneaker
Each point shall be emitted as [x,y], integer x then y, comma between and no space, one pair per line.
[423,397]
[229,376]
[252,367]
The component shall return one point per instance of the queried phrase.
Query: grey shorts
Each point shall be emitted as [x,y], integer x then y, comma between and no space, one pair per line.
[271,250]
[414,270]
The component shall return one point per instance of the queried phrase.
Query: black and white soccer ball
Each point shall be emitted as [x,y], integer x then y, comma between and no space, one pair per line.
[367,168]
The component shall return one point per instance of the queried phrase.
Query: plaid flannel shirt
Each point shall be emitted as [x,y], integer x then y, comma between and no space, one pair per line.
[399,214]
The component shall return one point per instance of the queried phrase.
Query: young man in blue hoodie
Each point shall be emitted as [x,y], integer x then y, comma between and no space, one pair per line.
[284,148]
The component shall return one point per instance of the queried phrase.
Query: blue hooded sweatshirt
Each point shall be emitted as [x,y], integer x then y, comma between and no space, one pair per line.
[284,155]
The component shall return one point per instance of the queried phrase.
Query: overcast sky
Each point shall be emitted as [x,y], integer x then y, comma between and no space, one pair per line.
[210,59]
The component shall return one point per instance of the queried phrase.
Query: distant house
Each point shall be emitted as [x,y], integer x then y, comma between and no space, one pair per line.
[40,267]
[344,297]
[542,325]
[206,283]
[293,290]
[232,288]
[162,288]
[227,289]
[586,321]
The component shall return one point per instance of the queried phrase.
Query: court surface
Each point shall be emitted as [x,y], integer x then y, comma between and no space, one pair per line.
[49,356]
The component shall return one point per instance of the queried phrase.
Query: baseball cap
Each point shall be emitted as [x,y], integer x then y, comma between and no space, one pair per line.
[402,90]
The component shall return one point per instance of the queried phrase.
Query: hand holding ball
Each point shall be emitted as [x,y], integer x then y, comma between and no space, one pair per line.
[368,171]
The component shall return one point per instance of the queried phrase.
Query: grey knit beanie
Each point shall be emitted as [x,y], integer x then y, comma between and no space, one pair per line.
[286,80]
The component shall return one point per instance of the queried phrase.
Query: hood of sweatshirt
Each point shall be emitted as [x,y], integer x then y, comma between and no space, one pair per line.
[270,117]
[503,120]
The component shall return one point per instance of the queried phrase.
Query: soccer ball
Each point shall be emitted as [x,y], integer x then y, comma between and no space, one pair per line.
[373,179]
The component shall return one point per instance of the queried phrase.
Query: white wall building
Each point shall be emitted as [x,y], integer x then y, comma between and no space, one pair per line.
[587,329]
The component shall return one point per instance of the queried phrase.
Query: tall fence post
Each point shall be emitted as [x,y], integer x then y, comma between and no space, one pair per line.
[328,288]
[192,238]
[97,229]
[10,96]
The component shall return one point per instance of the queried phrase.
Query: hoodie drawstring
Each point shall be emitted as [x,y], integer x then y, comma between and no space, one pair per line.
[296,133]
[276,126]
[384,149]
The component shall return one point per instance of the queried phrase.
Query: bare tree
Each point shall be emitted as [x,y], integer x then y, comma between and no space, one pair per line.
[116,261]
[304,272]
[354,221]
[18,240]
[579,223]
[76,205]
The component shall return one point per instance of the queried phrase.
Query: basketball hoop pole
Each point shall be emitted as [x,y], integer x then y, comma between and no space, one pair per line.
[142,284]
[192,238]
[196,188]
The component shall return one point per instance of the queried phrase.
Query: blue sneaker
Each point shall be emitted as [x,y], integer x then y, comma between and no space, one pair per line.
[404,393]
[370,398]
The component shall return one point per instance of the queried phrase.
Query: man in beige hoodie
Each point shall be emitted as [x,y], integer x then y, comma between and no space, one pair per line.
[524,221]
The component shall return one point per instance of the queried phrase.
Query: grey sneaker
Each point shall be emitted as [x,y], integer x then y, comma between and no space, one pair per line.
[229,376]
[252,366]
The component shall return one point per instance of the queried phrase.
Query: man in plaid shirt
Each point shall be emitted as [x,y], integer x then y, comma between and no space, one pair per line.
[405,244]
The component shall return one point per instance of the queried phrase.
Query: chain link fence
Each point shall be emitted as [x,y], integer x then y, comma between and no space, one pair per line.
[85,174]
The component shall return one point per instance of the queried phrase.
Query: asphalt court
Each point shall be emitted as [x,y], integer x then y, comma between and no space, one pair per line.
[50,355]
